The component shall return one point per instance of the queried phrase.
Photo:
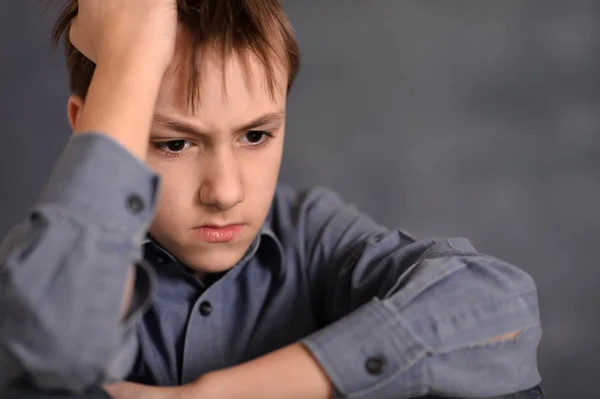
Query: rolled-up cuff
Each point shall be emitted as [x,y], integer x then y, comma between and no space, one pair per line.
[371,353]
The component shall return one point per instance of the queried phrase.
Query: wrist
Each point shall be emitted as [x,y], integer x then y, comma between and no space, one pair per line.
[141,58]
[148,67]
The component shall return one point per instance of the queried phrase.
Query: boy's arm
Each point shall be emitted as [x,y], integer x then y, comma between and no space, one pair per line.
[410,318]
[66,275]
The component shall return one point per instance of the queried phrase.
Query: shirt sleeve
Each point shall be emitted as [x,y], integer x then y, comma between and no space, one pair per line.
[405,318]
[63,270]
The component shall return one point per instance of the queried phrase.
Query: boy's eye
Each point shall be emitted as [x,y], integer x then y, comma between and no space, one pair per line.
[255,137]
[176,145]
[173,146]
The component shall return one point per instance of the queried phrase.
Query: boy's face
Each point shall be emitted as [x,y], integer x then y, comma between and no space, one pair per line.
[219,165]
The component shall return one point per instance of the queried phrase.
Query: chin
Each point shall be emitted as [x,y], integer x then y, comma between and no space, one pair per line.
[213,261]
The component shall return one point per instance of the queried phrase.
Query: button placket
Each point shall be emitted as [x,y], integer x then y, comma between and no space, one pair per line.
[204,335]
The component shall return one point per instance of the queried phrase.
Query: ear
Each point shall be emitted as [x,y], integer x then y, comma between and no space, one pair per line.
[74,107]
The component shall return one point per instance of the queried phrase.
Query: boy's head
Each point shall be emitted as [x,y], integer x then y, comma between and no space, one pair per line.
[218,132]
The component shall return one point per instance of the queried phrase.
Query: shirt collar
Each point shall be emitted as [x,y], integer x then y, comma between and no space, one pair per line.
[271,250]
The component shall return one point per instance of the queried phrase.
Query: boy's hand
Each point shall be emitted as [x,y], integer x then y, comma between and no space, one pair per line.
[132,43]
[105,30]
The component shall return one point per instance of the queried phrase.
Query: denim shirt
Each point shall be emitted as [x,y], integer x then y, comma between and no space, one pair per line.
[386,316]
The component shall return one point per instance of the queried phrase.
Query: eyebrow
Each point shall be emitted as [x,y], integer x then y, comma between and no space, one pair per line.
[269,118]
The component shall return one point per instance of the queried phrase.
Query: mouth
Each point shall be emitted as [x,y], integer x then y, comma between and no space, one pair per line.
[218,233]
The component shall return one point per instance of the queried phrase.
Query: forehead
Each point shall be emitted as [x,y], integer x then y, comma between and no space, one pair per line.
[234,83]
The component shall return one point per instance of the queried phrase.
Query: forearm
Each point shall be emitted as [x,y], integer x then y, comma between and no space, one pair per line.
[120,102]
[290,373]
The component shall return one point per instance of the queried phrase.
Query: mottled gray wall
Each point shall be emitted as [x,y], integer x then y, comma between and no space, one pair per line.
[471,118]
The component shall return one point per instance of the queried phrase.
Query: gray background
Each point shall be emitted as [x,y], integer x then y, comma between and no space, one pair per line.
[461,118]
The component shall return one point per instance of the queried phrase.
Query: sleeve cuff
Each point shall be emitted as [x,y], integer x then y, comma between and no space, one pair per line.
[371,353]
[98,180]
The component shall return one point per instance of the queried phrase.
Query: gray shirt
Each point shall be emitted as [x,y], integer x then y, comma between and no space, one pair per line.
[385,315]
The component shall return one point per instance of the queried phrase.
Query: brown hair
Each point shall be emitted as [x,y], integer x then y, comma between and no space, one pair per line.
[258,26]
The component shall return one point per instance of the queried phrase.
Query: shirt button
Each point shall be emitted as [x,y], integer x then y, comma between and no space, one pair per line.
[205,308]
[375,365]
[135,203]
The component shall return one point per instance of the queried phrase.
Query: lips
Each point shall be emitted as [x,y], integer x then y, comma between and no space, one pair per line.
[218,234]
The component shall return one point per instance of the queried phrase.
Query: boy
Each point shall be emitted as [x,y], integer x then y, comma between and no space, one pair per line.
[217,282]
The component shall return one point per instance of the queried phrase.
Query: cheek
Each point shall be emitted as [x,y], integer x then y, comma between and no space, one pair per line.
[262,169]
[261,174]
[177,187]
[174,203]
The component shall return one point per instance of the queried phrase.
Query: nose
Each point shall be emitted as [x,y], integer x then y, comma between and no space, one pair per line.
[222,186]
